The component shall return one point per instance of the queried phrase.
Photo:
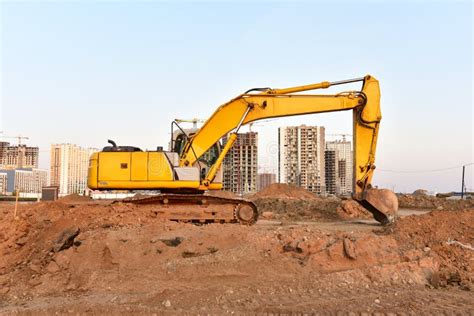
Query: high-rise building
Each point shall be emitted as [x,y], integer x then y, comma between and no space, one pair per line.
[343,175]
[18,156]
[24,180]
[241,164]
[265,179]
[331,159]
[301,157]
[69,164]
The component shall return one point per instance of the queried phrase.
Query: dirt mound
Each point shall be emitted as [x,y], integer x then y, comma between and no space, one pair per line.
[448,236]
[103,257]
[350,209]
[284,191]
[322,210]
[422,192]
[72,198]
[421,201]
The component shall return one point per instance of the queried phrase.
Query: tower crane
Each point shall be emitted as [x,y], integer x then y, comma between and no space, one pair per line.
[19,138]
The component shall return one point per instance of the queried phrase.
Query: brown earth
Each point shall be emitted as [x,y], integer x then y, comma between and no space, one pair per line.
[72,198]
[422,201]
[99,257]
[290,203]
[280,190]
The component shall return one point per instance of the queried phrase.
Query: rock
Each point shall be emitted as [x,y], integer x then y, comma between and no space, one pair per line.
[4,290]
[108,262]
[435,280]
[167,303]
[377,301]
[62,260]
[52,267]
[34,282]
[412,255]
[352,209]
[349,248]
[426,249]
[289,248]
[22,241]
[66,239]
[174,242]
[35,268]
[267,215]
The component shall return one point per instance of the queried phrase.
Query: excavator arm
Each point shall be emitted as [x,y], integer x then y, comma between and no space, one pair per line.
[272,103]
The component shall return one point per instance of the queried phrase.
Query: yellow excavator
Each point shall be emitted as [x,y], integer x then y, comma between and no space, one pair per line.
[192,165]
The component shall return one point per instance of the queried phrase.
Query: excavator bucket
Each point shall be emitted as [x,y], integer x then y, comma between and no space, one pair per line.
[382,203]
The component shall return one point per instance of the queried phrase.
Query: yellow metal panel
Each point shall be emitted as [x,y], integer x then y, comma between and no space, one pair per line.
[366,126]
[114,166]
[92,172]
[159,167]
[148,185]
[139,166]
[228,116]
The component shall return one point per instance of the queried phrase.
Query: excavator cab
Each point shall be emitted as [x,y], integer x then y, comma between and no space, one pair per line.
[208,159]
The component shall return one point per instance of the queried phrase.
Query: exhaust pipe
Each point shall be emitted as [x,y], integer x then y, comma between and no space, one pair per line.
[111,142]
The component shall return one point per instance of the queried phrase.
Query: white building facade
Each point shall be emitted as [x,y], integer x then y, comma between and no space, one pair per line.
[69,165]
[23,180]
[301,157]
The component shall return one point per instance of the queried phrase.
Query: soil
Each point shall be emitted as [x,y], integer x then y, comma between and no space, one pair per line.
[290,203]
[280,190]
[422,201]
[71,198]
[113,258]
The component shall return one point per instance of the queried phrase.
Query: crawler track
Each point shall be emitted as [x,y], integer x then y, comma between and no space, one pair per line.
[200,208]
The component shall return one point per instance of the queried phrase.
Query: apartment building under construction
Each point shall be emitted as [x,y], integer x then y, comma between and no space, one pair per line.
[301,157]
[339,167]
[18,156]
[241,164]
[331,158]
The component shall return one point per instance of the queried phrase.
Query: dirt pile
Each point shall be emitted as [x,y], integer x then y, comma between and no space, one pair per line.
[284,191]
[316,209]
[105,257]
[420,192]
[74,198]
[448,236]
[422,201]
[291,203]
[350,209]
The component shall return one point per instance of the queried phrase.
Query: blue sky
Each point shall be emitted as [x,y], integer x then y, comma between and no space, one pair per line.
[83,72]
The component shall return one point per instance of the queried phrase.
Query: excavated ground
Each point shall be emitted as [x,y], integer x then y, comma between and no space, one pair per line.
[94,257]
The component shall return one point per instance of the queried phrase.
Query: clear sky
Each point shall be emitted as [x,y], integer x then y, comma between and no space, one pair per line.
[82,72]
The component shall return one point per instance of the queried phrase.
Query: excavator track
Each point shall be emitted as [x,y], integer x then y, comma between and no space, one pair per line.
[199,208]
